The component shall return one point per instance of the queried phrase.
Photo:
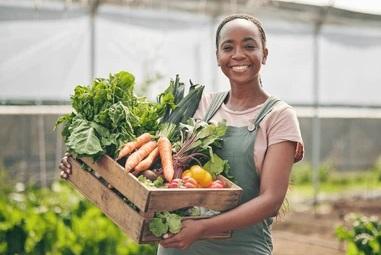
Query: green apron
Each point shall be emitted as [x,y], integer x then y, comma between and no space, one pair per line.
[238,148]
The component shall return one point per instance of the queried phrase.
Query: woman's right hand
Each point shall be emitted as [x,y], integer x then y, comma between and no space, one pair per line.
[65,166]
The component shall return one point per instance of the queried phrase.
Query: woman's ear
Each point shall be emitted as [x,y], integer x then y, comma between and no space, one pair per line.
[265,54]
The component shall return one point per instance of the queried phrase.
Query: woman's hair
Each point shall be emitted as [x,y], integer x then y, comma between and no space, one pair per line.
[241,16]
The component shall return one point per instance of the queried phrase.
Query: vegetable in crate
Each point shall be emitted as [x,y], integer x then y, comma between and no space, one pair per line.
[107,114]
[164,223]
[198,139]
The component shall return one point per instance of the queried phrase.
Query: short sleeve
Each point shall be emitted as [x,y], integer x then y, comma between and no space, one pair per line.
[284,127]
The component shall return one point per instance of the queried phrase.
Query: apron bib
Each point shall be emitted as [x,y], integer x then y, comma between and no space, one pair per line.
[238,149]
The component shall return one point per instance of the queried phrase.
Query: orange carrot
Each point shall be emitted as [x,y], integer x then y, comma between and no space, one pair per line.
[147,162]
[135,158]
[133,145]
[165,151]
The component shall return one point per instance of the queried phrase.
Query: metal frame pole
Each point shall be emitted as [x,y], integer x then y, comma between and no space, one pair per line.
[316,120]
[93,10]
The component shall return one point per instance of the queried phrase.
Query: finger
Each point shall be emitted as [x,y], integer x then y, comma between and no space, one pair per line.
[66,162]
[168,241]
[167,235]
[63,175]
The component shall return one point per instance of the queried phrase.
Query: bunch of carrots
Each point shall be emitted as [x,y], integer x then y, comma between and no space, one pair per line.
[144,150]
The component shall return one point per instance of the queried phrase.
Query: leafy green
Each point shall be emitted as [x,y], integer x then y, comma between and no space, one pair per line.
[197,141]
[159,182]
[174,223]
[216,166]
[83,139]
[165,222]
[107,114]
[158,227]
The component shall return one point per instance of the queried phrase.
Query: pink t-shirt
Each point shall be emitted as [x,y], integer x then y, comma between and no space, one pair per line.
[281,124]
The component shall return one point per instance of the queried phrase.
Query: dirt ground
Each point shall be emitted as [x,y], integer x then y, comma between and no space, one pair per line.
[312,231]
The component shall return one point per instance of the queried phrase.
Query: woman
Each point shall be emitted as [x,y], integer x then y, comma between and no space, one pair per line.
[262,142]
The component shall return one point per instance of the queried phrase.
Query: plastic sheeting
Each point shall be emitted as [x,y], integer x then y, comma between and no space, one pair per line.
[43,58]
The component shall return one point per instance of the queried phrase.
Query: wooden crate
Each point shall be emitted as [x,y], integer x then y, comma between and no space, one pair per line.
[146,200]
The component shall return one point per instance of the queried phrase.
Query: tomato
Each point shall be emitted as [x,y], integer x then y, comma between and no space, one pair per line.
[203,177]
[186,173]
[197,172]
[207,180]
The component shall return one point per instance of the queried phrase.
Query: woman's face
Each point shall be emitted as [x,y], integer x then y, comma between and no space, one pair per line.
[240,52]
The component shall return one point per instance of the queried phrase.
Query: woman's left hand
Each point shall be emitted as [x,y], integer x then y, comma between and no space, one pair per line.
[190,232]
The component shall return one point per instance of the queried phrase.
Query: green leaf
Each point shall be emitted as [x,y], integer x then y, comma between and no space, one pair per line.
[215,166]
[174,223]
[83,139]
[158,227]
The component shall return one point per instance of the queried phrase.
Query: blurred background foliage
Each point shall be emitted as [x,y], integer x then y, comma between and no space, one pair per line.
[57,220]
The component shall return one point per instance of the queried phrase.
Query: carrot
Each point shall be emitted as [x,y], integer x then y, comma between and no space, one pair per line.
[147,162]
[135,158]
[165,151]
[133,145]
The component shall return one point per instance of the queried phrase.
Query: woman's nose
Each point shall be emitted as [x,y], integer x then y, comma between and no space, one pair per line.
[238,53]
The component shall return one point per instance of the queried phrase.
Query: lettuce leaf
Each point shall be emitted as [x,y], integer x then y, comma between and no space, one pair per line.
[165,222]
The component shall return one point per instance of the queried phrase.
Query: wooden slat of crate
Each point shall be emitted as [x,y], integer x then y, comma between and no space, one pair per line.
[135,225]
[173,199]
[105,199]
[125,183]
[151,200]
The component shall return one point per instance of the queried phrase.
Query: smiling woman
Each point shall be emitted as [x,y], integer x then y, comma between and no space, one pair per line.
[262,142]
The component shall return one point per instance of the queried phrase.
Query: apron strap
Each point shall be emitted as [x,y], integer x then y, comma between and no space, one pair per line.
[218,99]
[266,109]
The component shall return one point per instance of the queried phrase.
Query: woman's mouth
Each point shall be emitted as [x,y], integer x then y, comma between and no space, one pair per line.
[240,68]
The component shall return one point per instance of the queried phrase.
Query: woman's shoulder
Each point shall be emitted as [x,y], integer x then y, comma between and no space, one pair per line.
[206,100]
[281,115]
[282,108]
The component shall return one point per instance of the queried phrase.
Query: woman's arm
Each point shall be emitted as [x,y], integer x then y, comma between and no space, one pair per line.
[274,184]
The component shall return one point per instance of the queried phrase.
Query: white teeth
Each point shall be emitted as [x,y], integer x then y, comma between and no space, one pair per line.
[239,68]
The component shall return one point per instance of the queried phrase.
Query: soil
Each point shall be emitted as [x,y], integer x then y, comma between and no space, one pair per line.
[310,230]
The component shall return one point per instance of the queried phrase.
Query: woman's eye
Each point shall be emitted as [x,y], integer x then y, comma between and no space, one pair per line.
[227,48]
[250,47]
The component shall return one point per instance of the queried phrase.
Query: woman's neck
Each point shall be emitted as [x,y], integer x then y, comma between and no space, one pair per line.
[243,97]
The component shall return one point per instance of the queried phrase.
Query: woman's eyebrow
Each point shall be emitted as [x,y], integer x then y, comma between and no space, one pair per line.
[227,41]
[249,38]
[245,39]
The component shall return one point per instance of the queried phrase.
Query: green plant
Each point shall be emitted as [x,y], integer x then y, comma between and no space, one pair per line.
[59,221]
[377,169]
[362,235]
[302,173]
